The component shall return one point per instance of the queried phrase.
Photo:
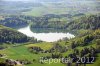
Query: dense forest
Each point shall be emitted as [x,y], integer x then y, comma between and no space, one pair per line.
[11,36]
[45,21]
[13,21]
[64,21]
[86,22]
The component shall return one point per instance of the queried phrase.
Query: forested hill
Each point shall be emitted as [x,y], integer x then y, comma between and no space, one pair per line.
[62,22]
[9,35]
[76,23]
[85,22]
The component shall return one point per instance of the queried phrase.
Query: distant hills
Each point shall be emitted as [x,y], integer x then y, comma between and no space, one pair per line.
[49,6]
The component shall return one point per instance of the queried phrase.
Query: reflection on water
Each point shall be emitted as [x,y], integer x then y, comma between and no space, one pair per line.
[48,37]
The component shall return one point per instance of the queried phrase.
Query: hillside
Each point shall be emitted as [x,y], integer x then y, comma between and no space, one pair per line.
[9,35]
[68,22]
[85,22]
[63,22]
[86,45]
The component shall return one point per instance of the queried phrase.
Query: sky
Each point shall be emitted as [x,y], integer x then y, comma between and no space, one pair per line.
[48,0]
[34,0]
[18,0]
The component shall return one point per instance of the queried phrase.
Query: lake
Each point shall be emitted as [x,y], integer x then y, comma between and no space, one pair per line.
[47,37]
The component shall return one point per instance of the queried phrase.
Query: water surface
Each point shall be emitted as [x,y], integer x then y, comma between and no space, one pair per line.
[48,37]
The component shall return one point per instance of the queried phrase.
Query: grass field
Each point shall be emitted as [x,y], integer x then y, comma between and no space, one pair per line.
[43,45]
[43,10]
[21,53]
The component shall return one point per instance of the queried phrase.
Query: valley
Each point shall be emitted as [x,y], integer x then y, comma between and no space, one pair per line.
[49,33]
